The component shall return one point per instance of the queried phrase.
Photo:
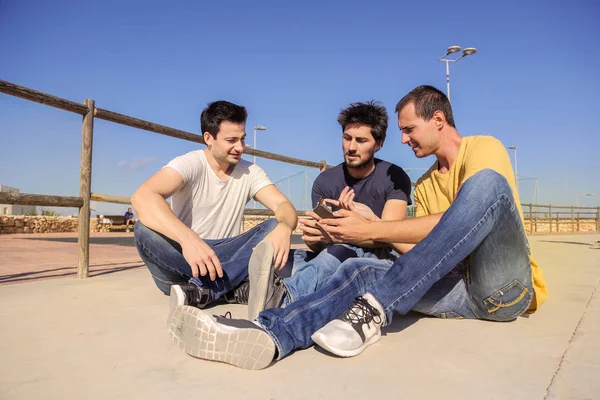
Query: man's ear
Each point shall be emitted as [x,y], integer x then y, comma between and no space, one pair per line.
[439,119]
[378,145]
[208,138]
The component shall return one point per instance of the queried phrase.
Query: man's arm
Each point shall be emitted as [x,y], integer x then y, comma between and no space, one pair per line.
[287,219]
[149,200]
[352,228]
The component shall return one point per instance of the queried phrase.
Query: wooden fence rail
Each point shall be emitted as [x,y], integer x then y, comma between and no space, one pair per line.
[89,112]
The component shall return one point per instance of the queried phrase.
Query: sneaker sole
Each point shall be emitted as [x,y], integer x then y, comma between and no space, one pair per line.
[196,333]
[177,297]
[260,271]
[345,353]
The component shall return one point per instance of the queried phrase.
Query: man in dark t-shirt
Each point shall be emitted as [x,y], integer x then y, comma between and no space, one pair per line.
[374,188]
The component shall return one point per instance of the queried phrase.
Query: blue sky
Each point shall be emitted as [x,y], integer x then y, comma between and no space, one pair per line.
[533,83]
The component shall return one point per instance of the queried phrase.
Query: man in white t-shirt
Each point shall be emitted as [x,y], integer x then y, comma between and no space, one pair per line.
[194,249]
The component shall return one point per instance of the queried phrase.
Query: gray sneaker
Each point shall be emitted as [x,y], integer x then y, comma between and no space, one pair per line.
[234,341]
[267,290]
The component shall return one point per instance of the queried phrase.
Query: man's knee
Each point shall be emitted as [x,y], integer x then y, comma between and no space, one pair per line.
[486,183]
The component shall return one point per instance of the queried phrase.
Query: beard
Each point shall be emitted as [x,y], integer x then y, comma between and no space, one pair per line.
[361,162]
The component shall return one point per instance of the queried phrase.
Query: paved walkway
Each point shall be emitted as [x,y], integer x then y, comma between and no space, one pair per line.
[105,338]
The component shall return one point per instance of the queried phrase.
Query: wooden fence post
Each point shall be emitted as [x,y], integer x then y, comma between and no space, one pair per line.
[85,183]
[598,220]
[572,219]
[550,217]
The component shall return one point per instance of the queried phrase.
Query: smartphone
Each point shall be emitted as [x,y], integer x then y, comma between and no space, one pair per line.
[323,211]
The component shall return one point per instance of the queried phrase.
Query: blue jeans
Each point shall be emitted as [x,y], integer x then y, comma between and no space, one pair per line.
[311,271]
[168,267]
[480,239]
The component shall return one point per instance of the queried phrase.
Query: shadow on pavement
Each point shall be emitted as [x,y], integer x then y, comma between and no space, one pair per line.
[562,241]
[67,271]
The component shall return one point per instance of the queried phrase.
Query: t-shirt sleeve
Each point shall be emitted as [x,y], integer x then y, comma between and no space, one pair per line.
[187,165]
[319,190]
[419,209]
[487,153]
[399,185]
[259,180]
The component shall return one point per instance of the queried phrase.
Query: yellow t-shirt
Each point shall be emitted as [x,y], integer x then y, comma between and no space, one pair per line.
[435,191]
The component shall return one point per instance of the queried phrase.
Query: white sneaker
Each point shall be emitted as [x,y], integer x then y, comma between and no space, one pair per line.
[355,330]
[261,277]
[234,341]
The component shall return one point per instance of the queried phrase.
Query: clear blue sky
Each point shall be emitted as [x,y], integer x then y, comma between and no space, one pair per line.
[533,84]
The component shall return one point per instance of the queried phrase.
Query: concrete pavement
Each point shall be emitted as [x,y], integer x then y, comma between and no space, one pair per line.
[105,337]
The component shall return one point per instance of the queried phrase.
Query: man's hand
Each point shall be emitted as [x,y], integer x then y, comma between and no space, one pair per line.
[349,227]
[201,258]
[346,202]
[312,233]
[280,237]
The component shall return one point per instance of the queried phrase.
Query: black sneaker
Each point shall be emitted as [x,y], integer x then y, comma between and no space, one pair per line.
[189,294]
[239,295]
[234,341]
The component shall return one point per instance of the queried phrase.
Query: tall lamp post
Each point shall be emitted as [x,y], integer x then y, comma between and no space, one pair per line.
[469,51]
[577,196]
[256,128]
[516,170]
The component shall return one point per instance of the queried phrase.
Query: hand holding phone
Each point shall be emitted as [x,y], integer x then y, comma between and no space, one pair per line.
[323,210]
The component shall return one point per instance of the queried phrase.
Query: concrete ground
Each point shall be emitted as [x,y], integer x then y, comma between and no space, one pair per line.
[105,337]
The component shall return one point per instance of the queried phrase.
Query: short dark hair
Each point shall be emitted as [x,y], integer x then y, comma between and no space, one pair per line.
[370,113]
[427,101]
[219,111]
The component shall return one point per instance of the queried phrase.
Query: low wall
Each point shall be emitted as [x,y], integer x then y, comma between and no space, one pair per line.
[40,224]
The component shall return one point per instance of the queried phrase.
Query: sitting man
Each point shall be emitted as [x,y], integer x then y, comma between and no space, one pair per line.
[471,258]
[194,249]
[379,185]
[128,218]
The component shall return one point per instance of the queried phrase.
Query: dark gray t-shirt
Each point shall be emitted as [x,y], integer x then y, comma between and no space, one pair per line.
[387,182]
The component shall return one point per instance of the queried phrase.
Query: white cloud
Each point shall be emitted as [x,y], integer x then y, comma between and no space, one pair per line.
[141,162]
[137,163]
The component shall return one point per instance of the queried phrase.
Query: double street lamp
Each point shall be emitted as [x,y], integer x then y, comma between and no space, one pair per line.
[516,170]
[577,196]
[469,51]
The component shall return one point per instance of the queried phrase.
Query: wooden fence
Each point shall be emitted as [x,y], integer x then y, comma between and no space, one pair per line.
[538,219]
[89,111]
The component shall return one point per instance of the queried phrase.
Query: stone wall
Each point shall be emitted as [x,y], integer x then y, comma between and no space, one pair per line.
[40,224]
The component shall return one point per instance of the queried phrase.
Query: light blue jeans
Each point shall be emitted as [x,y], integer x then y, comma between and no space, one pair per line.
[473,264]
[311,271]
[168,267]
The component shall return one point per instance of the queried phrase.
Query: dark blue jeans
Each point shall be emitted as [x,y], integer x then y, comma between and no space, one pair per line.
[168,267]
[480,239]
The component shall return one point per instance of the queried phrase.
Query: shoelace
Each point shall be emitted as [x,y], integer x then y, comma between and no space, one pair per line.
[362,312]
[227,315]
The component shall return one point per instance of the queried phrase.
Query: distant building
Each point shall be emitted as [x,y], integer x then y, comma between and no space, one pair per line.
[13,209]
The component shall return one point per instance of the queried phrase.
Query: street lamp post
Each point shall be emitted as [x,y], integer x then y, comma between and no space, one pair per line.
[577,196]
[469,51]
[256,128]
[516,169]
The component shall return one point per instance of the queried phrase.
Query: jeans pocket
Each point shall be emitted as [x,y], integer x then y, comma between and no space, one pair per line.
[508,302]
[450,315]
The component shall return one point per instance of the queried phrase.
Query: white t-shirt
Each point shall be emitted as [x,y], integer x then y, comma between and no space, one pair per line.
[211,207]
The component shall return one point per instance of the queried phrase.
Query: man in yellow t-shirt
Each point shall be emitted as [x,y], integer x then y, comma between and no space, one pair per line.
[465,255]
